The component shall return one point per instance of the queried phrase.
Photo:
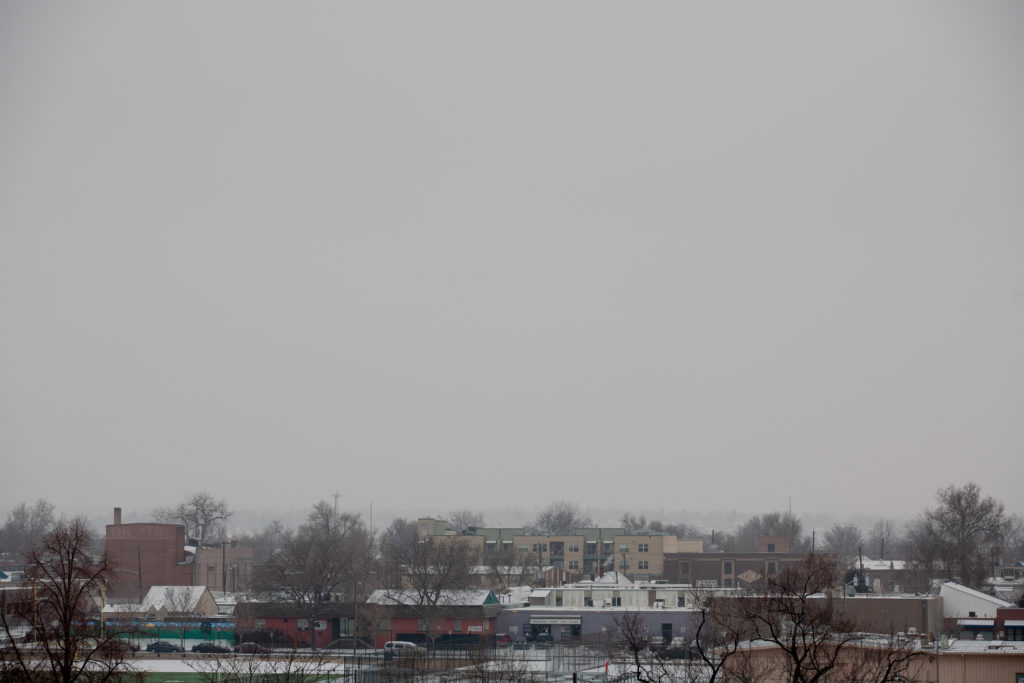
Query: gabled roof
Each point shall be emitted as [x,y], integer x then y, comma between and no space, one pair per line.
[950,586]
[172,598]
[613,578]
[450,598]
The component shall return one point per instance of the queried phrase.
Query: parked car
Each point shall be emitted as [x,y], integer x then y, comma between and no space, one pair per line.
[503,639]
[210,648]
[520,643]
[251,649]
[401,648]
[163,646]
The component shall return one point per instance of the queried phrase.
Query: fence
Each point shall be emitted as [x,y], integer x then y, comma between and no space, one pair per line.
[551,664]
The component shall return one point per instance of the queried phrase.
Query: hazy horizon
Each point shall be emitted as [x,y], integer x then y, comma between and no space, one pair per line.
[663,256]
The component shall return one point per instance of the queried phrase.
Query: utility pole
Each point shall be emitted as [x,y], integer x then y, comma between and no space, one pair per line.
[139,549]
[336,496]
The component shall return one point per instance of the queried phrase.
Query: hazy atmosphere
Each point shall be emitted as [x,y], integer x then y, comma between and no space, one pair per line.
[450,255]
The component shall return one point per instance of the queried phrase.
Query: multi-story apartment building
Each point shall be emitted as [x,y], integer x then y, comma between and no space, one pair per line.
[586,552]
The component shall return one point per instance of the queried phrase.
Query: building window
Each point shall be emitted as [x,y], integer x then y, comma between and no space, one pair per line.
[771,547]
[771,568]
[681,601]
[574,564]
[641,547]
[728,583]
[727,567]
[616,602]
[623,547]
[524,548]
[641,564]
[591,548]
[574,547]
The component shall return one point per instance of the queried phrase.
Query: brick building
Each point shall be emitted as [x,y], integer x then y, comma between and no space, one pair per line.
[730,570]
[145,555]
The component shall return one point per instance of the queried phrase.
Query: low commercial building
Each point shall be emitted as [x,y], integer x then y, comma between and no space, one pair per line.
[282,623]
[592,624]
[457,617]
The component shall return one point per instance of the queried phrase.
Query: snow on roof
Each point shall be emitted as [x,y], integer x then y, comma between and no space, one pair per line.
[977,594]
[879,565]
[614,578]
[517,595]
[985,646]
[172,598]
[382,596]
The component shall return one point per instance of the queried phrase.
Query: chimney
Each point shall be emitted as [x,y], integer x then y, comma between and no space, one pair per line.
[117,516]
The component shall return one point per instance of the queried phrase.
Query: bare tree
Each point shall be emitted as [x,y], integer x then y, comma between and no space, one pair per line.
[180,605]
[265,542]
[633,523]
[315,562]
[397,542]
[509,567]
[961,534]
[782,524]
[844,541]
[882,538]
[25,527]
[717,639]
[289,666]
[67,583]
[200,515]
[430,571]
[633,644]
[463,519]
[798,622]
[489,666]
[559,519]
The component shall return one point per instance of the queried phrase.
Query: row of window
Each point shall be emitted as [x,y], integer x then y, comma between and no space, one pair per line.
[556,548]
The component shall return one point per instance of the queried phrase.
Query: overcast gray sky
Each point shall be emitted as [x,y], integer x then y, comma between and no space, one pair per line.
[473,254]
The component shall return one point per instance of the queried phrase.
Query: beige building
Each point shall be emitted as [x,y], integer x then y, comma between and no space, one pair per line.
[589,552]
[168,602]
[225,568]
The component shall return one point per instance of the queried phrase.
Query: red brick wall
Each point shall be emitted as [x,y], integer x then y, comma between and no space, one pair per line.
[162,548]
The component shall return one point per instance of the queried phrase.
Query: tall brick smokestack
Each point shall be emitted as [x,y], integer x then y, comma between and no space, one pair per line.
[117,515]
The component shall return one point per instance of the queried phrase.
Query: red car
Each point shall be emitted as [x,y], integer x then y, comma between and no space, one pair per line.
[503,639]
[251,649]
